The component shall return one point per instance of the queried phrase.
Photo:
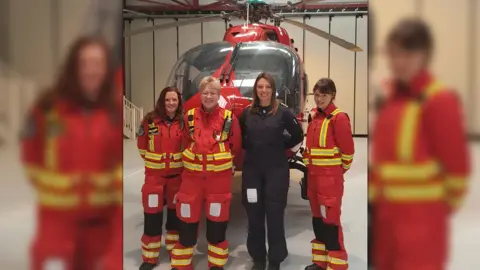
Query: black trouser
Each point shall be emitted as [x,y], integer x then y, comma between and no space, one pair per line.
[264,194]
[154,222]
[371,213]
[216,233]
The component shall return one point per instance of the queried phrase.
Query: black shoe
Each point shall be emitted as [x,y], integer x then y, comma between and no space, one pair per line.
[147,266]
[216,268]
[314,267]
[259,266]
[273,266]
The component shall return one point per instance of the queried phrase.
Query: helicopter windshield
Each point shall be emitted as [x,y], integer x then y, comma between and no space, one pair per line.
[280,61]
[197,63]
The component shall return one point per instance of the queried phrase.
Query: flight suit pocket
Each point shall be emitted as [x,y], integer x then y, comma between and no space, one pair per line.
[329,209]
[217,207]
[152,198]
[188,207]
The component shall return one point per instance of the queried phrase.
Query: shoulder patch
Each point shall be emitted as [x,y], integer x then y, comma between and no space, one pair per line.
[141,130]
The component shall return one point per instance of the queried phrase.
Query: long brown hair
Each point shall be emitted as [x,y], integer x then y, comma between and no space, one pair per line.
[254,108]
[159,110]
[67,85]
[412,34]
[325,86]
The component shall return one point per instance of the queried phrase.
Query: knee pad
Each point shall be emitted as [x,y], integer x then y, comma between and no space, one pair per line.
[152,198]
[153,224]
[217,207]
[188,234]
[188,207]
[331,237]
[172,220]
[216,231]
[318,228]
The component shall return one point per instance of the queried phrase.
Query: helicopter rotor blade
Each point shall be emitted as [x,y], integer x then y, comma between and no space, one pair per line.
[208,18]
[340,42]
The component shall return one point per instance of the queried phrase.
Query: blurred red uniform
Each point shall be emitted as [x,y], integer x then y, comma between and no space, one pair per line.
[328,155]
[73,157]
[213,138]
[160,145]
[418,175]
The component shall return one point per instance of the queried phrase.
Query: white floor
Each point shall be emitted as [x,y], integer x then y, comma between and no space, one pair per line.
[17,218]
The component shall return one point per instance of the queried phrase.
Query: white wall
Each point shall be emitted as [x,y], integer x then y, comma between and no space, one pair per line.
[347,69]
[453,26]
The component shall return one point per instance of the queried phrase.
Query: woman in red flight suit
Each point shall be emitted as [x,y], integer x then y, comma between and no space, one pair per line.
[419,157]
[72,151]
[213,139]
[328,155]
[160,144]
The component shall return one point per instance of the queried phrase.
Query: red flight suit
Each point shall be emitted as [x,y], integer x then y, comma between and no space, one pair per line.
[160,145]
[419,164]
[328,155]
[73,157]
[213,139]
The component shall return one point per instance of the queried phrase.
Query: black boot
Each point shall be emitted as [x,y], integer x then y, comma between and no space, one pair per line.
[314,267]
[216,268]
[273,266]
[259,266]
[147,266]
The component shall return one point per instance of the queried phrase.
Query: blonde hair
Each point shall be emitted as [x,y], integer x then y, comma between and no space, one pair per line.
[210,80]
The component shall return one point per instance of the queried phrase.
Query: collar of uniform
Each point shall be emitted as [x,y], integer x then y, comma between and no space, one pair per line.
[417,85]
[214,110]
[330,108]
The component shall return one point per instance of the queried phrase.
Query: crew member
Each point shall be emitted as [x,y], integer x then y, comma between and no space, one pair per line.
[328,156]
[212,140]
[72,152]
[159,141]
[265,177]
[418,156]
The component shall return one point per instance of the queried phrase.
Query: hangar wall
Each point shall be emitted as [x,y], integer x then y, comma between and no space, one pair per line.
[456,27]
[150,57]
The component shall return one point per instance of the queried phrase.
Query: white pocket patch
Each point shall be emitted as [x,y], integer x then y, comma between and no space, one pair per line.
[323,211]
[175,199]
[252,195]
[215,209]
[185,210]
[152,200]
[54,264]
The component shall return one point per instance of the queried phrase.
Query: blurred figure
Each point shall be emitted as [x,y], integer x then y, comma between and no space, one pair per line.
[72,151]
[212,140]
[160,145]
[328,155]
[419,160]
[265,179]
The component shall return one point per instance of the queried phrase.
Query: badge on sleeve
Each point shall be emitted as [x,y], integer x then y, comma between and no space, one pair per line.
[141,131]
[29,128]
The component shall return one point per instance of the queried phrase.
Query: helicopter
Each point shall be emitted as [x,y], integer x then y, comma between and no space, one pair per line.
[245,51]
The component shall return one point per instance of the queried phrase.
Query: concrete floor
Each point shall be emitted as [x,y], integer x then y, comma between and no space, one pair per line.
[17,218]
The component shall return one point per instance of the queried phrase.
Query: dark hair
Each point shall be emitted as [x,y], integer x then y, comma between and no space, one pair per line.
[256,101]
[159,110]
[412,34]
[325,86]
[67,85]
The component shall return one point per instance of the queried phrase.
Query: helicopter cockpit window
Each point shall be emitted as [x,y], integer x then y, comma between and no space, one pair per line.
[271,35]
[278,60]
[197,63]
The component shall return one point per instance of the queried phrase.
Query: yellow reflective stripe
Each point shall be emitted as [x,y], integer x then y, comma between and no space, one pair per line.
[372,192]
[188,154]
[102,198]
[326,162]
[155,156]
[347,157]
[319,258]
[176,156]
[170,247]
[182,252]
[434,191]
[306,161]
[153,165]
[172,237]
[153,245]
[51,143]
[192,166]
[151,141]
[324,152]
[175,165]
[219,168]
[337,261]
[58,200]
[221,145]
[456,182]
[317,246]
[191,123]
[416,172]
[53,179]
[217,250]
[142,151]
[150,254]
[346,166]
[227,114]
[217,261]
[322,139]
[223,155]
[185,262]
